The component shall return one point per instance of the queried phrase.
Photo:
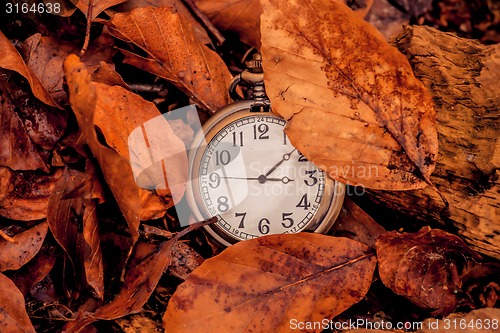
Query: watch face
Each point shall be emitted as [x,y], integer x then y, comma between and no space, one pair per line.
[255,180]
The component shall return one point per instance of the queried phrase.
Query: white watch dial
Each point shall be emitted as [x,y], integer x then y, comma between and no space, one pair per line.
[256,181]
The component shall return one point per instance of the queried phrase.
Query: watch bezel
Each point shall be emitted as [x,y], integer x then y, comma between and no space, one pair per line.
[323,219]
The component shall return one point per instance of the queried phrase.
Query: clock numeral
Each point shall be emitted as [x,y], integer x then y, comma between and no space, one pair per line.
[264,226]
[222,157]
[235,139]
[285,217]
[242,221]
[262,129]
[214,178]
[313,180]
[223,205]
[303,203]
[301,157]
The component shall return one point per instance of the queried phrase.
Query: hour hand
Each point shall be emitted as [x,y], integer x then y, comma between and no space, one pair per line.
[286,157]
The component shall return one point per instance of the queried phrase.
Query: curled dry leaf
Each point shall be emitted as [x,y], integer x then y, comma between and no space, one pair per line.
[72,219]
[13,316]
[352,103]
[24,195]
[99,104]
[426,267]
[14,255]
[45,57]
[174,53]
[261,284]
[12,60]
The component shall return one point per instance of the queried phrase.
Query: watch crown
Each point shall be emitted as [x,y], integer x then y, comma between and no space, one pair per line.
[255,65]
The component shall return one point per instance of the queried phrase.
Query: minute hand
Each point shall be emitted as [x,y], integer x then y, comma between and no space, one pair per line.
[286,157]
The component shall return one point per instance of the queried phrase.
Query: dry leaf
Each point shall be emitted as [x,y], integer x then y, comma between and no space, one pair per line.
[13,316]
[24,195]
[129,5]
[36,269]
[45,57]
[351,100]
[242,17]
[26,127]
[355,223]
[98,6]
[184,260]
[14,255]
[91,103]
[175,53]
[146,266]
[12,60]
[426,267]
[72,219]
[262,284]
[107,75]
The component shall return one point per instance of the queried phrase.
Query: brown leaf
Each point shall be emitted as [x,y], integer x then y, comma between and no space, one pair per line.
[12,60]
[98,6]
[13,316]
[14,255]
[242,17]
[355,223]
[262,284]
[175,53]
[35,270]
[73,222]
[17,119]
[90,103]
[184,260]
[24,195]
[45,57]
[426,267]
[179,6]
[146,267]
[351,100]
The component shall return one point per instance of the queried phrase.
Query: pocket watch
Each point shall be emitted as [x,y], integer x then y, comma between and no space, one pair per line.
[244,170]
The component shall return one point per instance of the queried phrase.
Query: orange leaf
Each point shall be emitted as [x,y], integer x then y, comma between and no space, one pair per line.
[262,285]
[102,105]
[175,53]
[13,255]
[352,102]
[13,316]
[11,59]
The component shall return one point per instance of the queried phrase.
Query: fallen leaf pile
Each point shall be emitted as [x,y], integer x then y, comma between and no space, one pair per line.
[84,247]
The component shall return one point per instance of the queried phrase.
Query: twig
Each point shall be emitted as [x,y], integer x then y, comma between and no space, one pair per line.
[87,30]
[7,237]
[205,21]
